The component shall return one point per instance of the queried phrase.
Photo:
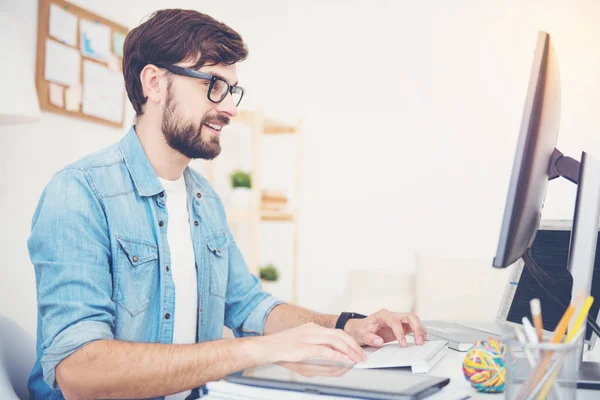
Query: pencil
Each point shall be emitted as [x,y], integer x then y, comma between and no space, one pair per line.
[574,332]
[559,332]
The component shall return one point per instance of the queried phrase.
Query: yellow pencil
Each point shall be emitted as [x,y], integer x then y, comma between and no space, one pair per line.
[559,332]
[562,326]
[580,318]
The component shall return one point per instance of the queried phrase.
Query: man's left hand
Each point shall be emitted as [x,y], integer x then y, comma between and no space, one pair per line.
[385,326]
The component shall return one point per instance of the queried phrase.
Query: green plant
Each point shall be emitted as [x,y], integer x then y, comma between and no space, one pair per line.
[241,179]
[269,273]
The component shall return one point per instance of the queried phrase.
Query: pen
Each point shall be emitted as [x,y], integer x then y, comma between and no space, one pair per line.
[536,315]
[529,331]
[523,342]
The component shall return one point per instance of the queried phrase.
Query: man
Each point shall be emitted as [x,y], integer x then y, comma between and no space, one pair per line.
[136,268]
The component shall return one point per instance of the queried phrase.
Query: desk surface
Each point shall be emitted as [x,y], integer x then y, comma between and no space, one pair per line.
[451,366]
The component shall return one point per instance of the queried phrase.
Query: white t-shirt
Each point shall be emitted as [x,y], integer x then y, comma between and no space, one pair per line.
[182,267]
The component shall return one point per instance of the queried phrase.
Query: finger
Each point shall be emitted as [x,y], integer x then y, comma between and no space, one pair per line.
[417,327]
[328,353]
[337,343]
[373,340]
[324,338]
[395,324]
[350,341]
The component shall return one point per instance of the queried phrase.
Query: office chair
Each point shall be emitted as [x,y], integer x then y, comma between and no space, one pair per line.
[17,356]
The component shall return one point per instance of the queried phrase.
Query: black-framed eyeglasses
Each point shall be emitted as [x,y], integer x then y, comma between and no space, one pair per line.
[218,88]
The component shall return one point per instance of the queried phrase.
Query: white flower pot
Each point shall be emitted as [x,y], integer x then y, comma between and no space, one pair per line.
[241,197]
[276,289]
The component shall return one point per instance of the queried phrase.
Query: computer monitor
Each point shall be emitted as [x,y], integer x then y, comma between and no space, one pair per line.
[536,159]
[536,162]
[582,254]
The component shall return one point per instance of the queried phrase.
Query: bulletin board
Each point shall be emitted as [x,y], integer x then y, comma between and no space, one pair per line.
[79,63]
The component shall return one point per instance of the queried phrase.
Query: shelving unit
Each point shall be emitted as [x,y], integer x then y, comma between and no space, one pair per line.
[262,126]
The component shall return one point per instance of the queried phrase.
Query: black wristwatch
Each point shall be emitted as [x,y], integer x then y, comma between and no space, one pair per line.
[345,316]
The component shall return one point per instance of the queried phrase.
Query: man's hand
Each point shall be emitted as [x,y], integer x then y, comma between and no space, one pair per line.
[385,326]
[310,341]
[310,370]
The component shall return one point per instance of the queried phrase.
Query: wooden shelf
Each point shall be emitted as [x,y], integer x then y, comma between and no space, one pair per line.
[252,217]
[270,126]
[276,216]
[273,127]
[236,215]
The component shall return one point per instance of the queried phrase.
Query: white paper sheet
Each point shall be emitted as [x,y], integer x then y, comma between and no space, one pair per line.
[62,63]
[63,25]
[103,92]
[393,355]
[94,40]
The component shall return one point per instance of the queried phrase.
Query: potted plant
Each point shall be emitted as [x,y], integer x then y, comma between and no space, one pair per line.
[269,275]
[241,195]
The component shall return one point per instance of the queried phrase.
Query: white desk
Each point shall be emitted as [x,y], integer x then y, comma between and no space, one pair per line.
[451,367]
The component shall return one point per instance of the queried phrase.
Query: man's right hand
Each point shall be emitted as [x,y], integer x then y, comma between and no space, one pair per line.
[310,341]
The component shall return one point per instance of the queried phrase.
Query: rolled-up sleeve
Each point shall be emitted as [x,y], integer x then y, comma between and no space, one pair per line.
[69,247]
[246,305]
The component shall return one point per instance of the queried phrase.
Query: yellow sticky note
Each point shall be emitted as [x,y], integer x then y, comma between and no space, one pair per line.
[112,62]
[57,95]
[73,98]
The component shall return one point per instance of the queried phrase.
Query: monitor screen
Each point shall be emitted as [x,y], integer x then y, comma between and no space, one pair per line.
[535,147]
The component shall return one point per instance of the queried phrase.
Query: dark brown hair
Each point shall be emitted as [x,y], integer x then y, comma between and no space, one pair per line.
[174,35]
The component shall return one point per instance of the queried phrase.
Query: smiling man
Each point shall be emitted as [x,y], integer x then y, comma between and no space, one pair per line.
[136,268]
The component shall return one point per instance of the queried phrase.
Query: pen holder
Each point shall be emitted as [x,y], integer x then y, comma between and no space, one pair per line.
[542,371]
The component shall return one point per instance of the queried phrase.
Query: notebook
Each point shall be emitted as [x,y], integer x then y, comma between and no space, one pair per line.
[421,359]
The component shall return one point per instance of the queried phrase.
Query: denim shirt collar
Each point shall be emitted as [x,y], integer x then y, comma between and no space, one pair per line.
[143,175]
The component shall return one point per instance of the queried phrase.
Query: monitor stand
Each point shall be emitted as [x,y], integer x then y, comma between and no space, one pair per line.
[589,376]
[584,235]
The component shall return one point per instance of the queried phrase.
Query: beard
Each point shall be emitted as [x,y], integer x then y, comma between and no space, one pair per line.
[186,137]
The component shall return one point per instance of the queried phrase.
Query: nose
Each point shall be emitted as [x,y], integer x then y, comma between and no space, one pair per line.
[228,106]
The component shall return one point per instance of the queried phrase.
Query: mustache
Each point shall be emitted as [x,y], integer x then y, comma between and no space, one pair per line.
[223,119]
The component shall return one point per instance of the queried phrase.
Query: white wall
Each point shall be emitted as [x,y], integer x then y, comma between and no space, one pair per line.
[411,112]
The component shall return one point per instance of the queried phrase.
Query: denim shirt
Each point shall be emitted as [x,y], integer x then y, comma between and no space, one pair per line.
[99,247]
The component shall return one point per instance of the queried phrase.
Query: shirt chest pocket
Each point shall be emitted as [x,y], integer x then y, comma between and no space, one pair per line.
[218,259]
[136,274]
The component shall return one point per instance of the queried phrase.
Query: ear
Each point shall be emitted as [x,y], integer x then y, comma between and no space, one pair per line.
[153,83]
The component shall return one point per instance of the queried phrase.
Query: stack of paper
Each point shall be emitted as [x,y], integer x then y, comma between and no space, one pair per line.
[421,359]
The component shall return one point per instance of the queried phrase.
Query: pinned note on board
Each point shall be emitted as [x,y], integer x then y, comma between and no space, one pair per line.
[94,40]
[57,95]
[118,42]
[62,63]
[63,25]
[73,97]
[102,92]
[113,62]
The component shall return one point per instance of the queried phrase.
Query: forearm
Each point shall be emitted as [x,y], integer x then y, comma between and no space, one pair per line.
[112,369]
[286,316]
